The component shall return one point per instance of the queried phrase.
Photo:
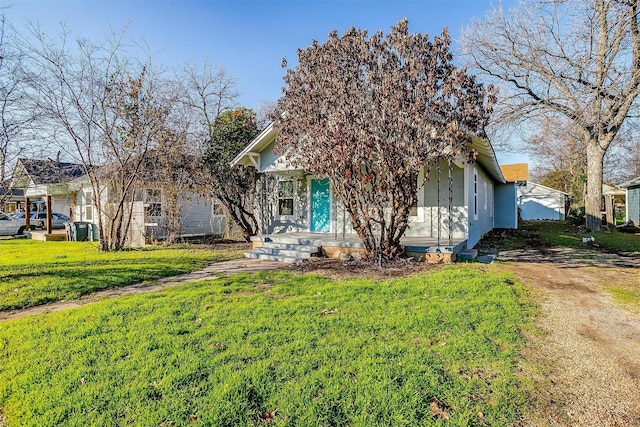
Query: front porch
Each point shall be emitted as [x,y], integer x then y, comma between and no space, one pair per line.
[43,236]
[293,247]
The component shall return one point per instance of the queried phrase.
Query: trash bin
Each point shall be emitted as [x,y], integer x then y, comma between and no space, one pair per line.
[82,229]
[78,231]
[96,232]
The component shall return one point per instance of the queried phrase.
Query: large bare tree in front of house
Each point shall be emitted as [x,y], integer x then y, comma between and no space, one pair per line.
[17,111]
[134,124]
[369,113]
[172,166]
[234,187]
[98,106]
[576,58]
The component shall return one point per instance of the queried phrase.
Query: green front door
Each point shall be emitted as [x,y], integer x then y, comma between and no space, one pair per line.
[320,205]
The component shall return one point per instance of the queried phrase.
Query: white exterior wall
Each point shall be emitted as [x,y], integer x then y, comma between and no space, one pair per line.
[84,209]
[267,204]
[199,218]
[197,211]
[433,209]
[63,205]
[538,202]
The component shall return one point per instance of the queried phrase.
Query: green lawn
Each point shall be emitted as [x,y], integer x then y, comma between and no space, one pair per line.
[562,233]
[33,273]
[278,348]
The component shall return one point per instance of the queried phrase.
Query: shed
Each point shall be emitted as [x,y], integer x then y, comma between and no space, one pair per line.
[535,201]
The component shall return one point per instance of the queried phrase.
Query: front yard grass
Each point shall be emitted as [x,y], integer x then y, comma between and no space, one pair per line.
[563,233]
[277,348]
[34,273]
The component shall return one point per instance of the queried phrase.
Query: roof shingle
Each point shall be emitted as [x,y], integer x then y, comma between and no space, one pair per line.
[516,172]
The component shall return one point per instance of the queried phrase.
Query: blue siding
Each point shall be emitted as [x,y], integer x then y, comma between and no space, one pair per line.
[506,210]
[633,205]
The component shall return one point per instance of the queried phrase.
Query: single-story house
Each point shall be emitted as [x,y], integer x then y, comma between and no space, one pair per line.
[632,188]
[200,215]
[54,186]
[298,212]
[536,201]
[45,183]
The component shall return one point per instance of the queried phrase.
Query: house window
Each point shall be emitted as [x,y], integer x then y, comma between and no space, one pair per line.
[218,210]
[153,205]
[475,195]
[285,198]
[10,207]
[485,196]
[413,209]
[88,208]
[491,201]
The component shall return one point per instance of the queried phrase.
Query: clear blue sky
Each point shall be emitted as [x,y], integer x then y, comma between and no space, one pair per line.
[247,38]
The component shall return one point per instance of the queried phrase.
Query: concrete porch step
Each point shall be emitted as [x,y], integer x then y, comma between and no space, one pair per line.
[290,246]
[281,258]
[294,252]
[468,254]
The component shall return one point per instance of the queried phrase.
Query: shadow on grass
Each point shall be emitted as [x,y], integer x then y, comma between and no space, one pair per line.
[27,286]
[559,242]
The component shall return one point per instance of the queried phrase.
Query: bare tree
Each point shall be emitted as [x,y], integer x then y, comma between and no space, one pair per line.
[576,58]
[173,166]
[16,109]
[629,153]
[221,133]
[100,108]
[208,92]
[369,113]
[133,124]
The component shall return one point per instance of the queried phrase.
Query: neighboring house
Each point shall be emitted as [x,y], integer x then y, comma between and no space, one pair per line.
[200,215]
[535,201]
[632,189]
[11,199]
[45,184]
[299,210]
[614,201]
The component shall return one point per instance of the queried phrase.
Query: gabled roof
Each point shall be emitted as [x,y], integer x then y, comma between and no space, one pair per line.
[547,188]
[51,171]
[515,172]
[631,183]
[611,190]
[248,157]
[487,158]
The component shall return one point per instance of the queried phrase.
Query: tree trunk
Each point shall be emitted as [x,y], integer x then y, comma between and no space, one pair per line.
[593,198]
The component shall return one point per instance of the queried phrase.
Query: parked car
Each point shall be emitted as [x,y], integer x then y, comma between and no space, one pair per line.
[39,219]
[10,226]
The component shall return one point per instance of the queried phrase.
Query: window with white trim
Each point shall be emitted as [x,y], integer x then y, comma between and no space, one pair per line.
[491,201]
[485,195]
[217,209]
[285,198]
[88,206]
[475,195]
[153,202]
[413,209]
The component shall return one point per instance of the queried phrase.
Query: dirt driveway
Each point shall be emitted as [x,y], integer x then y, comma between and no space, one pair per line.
[586,359]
